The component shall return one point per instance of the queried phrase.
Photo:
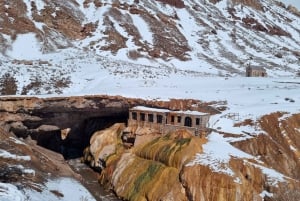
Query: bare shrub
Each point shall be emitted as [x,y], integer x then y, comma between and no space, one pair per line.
[62,83]
[286,193]
[133,54]
[35,84]
[59,84]
[8,85]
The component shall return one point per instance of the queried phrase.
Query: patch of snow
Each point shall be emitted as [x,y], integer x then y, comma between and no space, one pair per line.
[68,187]
[9,192]
[237,180]
[293,148]
[53,14]
[217,153]
[17,141]
[24,170]
[265,193]
[143,28]
[273,177]
[6,154]
[26,46]
[143,108]
[40,5]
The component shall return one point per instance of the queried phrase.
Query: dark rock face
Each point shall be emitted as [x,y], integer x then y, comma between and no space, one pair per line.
[43,119]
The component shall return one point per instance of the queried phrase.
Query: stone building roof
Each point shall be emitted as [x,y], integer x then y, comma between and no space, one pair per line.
[150,109]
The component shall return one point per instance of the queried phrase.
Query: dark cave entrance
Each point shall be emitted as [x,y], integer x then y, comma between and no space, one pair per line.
[79,137]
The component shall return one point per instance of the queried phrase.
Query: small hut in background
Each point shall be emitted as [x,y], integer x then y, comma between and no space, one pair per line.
[254,71]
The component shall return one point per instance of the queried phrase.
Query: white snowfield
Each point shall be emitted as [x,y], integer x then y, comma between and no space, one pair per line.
[69,188]
[8,155]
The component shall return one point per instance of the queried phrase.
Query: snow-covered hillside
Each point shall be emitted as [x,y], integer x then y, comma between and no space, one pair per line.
[51,40]
[150,49]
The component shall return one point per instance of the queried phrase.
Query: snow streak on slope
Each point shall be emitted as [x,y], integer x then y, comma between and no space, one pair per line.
[26,46]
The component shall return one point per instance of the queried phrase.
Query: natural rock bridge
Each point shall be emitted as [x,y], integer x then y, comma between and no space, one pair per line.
[43,118]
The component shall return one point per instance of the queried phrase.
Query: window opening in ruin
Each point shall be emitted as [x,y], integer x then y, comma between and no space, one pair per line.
[188,122]
[150,117]
[178,119]
[172,119]
[134,116]
[142,116]
[159,118]
[197,121]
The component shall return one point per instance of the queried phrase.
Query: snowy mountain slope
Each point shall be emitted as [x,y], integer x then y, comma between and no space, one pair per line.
[152,50]
[224,36]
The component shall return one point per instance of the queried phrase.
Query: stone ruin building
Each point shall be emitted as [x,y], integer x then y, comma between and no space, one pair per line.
[165,121]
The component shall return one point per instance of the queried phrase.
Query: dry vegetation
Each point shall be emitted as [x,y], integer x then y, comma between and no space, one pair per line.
[287,194]
[8,85]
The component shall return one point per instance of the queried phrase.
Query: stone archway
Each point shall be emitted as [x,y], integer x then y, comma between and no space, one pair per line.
[188,121]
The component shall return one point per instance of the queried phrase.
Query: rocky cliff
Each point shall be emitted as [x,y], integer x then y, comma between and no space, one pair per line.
[167,167]
[43,119]
[31,172]
[174,166]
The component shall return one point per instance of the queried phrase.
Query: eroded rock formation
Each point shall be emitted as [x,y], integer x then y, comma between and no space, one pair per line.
[43,119]
[163,167]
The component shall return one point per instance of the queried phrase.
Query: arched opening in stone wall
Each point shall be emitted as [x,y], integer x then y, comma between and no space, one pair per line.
[188,121]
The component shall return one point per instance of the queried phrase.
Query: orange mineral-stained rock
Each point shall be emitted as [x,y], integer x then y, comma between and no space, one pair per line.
[104,142]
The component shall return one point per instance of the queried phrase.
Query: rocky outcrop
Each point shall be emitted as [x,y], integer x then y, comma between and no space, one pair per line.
[149,171]
[280,145]
[29,165]
[293,10]
[44,118]
[164,167]
[204,184]
[252,3]
[175,3]
[158,170]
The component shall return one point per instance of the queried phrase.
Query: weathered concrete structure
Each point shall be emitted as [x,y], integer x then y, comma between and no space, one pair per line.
[165,121]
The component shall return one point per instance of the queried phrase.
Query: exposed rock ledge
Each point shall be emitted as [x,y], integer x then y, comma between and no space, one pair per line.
[162,167]
[159,168]
[44,118]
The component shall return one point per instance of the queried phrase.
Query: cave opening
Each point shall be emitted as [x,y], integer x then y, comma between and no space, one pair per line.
[81,130]
[80,135]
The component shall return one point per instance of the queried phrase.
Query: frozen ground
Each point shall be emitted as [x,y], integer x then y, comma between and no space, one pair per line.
[63,189]
[60,189]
